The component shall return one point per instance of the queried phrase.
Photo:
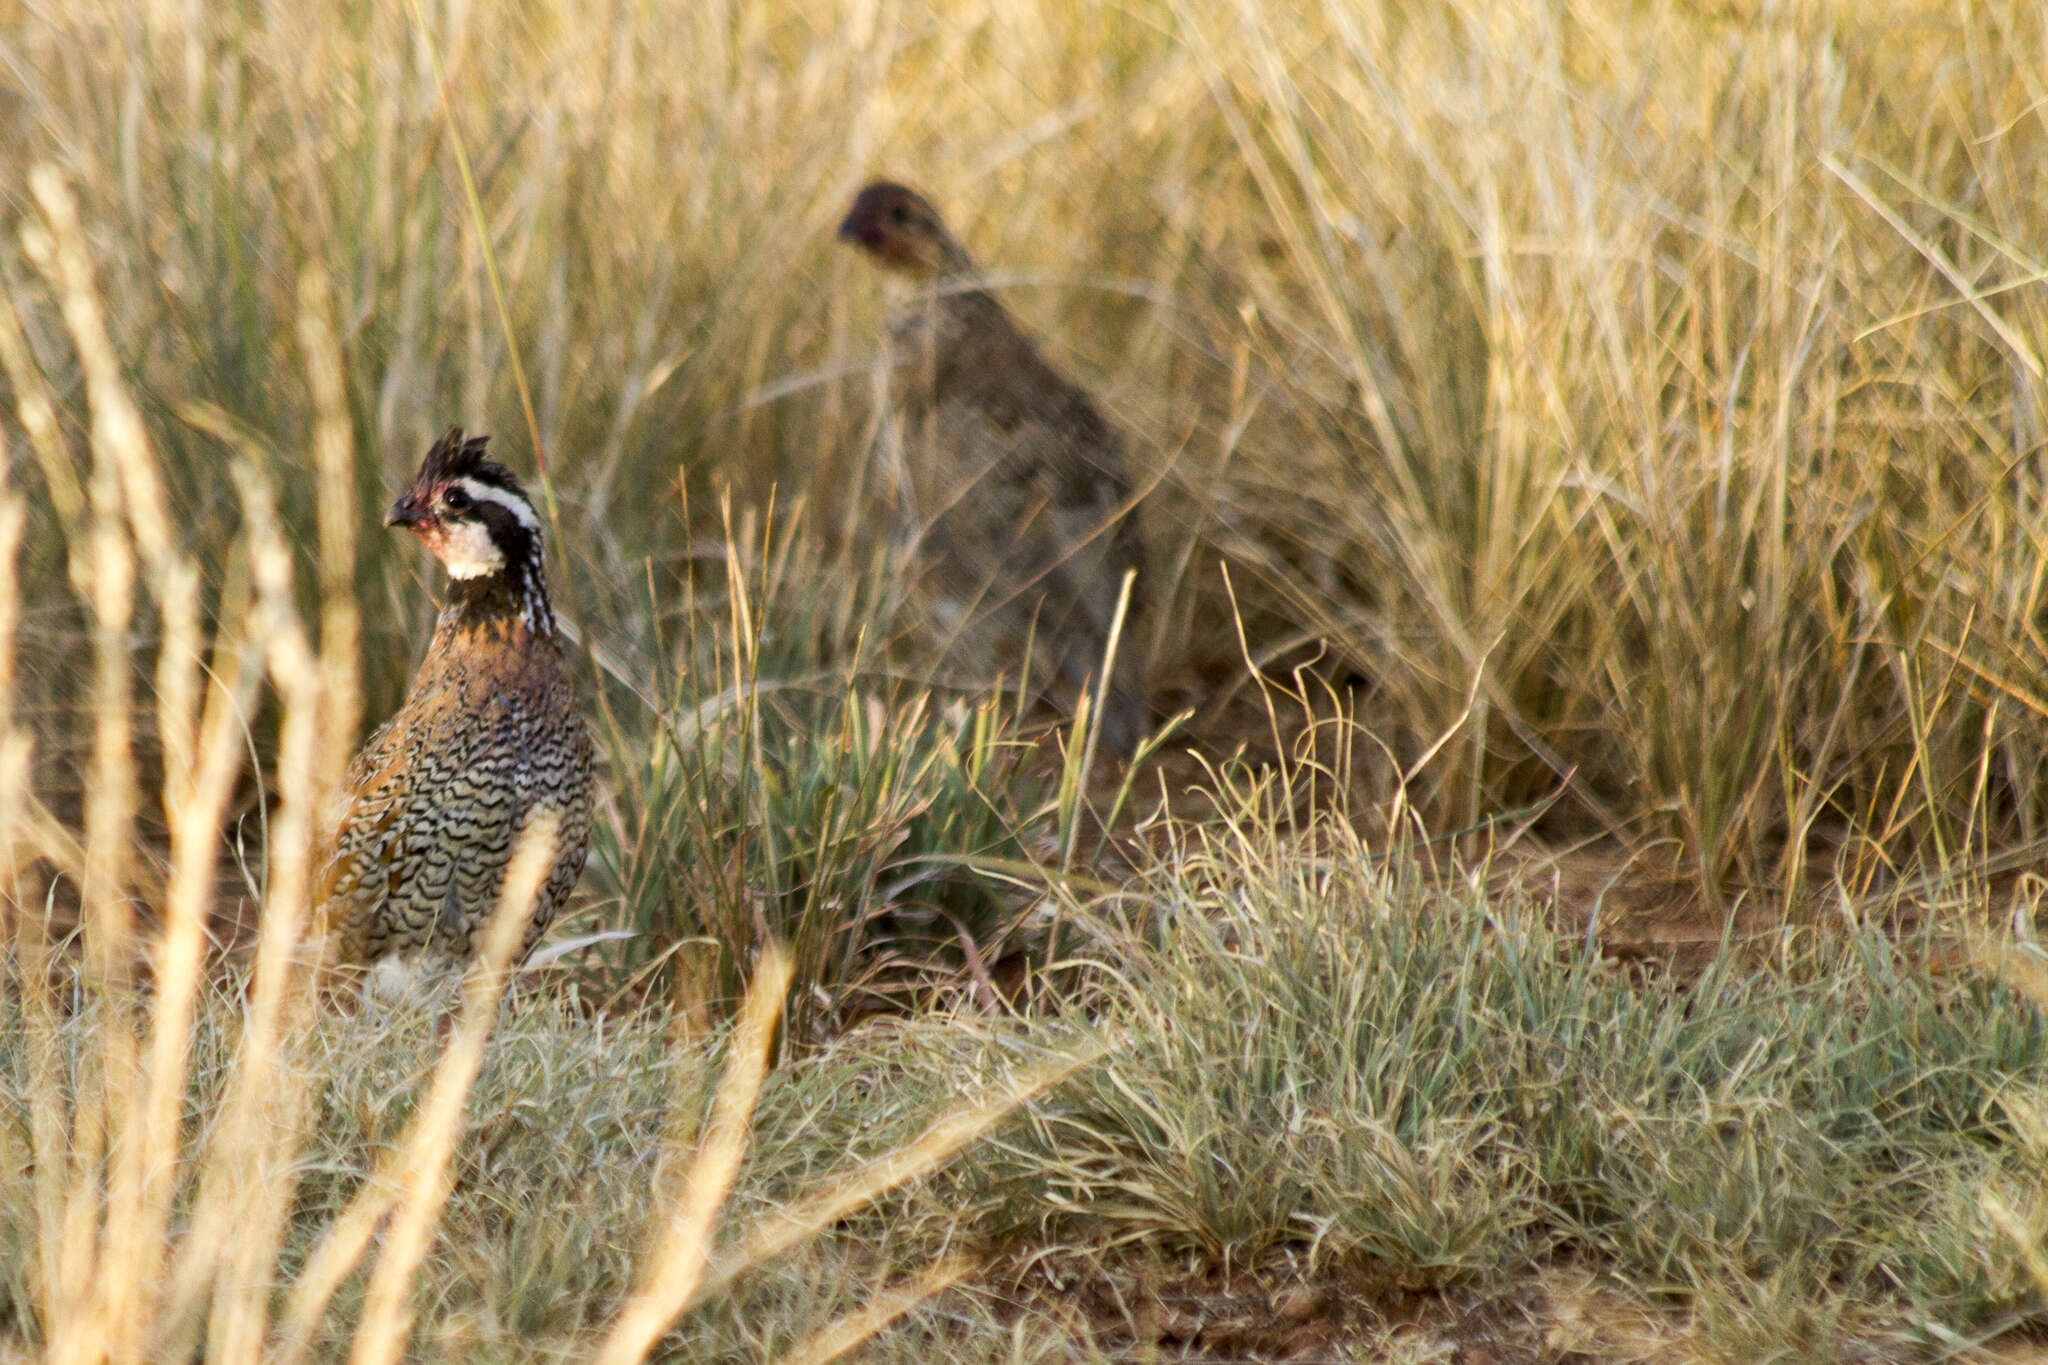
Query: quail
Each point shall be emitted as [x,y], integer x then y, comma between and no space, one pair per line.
[489,737]
[1019,480]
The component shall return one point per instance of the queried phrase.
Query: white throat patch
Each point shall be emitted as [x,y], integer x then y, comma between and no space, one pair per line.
[466,547]
[468,551]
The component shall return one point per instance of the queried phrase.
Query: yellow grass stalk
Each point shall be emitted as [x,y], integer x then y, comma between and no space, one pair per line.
[321,695]
[947,1135]
[884,1308]
[24,838]
[334,462]
[26,935]
[415,1182]
[198,782]
[248,1182]
[423,1177]
[13,519]
[118,436]
[2026,1242]
[140,1208]
[38,414]
[37,833]
[679,1245]
[109,574]
[1074,781]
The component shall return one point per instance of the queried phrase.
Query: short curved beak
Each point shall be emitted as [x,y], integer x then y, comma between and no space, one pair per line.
[405,512]
[856,228]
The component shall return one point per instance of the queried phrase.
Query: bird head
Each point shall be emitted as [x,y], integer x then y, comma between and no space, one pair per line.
[900,229]
[470,511]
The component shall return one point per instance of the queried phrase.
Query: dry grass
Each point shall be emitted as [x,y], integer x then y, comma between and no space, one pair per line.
[1635,402]
[1627,416]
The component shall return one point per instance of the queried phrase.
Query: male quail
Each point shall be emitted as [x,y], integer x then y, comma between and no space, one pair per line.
[489,737]
[1020,481]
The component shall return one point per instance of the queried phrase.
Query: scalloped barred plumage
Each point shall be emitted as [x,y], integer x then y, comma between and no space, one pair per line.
[490,735]
[1021,480]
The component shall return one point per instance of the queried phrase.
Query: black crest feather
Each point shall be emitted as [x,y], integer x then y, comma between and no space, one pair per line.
[880,194]
[457,457]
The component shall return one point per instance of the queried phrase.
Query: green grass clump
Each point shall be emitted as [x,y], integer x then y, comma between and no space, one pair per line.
[774,789]
[1325,1058]
[856,843]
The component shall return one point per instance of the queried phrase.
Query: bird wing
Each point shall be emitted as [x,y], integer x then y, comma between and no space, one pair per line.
[384,880]
[1034,520]
[1047,502]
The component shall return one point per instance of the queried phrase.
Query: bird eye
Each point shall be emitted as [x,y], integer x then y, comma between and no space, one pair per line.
[455,500]
[900,216]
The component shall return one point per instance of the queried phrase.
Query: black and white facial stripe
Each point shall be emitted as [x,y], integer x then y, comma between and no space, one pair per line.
[486,529]
[492,531]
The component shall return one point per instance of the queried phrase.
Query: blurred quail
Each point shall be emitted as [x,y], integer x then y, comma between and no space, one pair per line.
[1018,478]
[489,736]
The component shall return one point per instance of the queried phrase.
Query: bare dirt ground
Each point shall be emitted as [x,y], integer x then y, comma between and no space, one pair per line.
[1556,1316]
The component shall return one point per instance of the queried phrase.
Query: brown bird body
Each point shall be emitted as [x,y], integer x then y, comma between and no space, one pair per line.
[489,737]
[1020,483]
